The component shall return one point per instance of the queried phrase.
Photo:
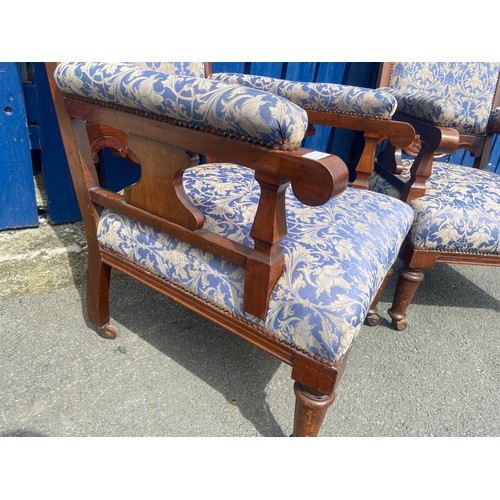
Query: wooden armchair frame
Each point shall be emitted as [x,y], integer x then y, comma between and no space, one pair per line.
[158,200]
[431,142]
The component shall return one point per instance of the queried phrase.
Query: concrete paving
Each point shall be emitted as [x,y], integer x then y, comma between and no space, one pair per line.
[172,373]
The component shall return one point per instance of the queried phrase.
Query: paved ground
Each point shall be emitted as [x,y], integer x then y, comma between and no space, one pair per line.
[171,373]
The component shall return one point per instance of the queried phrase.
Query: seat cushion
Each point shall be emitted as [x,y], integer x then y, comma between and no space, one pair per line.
[244,113]
[336,256]
[460,211]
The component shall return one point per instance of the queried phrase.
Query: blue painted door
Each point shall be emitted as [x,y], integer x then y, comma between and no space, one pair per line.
[62,205]
[17,190]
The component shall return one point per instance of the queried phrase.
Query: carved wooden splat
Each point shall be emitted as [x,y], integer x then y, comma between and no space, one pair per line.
[159,190]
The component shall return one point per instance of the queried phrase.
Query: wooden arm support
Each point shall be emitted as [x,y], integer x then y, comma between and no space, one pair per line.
[399,134]
[433,141]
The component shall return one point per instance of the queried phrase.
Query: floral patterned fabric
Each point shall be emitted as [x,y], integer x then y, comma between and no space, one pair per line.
[328,97]
[244,113]
[457,94]
[336,255]
[460,211]
[194,69]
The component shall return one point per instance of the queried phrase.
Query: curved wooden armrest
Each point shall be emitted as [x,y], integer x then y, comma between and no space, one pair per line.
[400,133]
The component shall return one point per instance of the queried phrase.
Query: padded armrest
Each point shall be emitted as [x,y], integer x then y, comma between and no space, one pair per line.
[248,114]
[326,97]
[428,107]
[494,121]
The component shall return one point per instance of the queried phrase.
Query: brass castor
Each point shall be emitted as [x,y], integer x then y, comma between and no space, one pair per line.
[108,331]
[400,324]
[372,319]
[398,320]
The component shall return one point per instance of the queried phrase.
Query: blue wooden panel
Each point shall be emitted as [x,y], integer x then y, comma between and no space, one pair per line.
[228,67]
[61,197]
[300,71]
[17,190]
[349,144]
[326,72]
[117,173]
[494,161]
[272,69]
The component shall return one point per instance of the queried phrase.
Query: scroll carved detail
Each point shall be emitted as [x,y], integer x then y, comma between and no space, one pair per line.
[102,136]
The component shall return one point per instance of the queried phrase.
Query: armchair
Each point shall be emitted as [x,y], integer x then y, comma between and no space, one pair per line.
[268,242]
[456,208]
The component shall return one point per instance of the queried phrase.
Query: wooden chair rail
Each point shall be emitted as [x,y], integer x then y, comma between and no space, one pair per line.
[221,246]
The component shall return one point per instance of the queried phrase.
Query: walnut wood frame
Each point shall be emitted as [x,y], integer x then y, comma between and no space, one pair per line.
[164,152]
[433,141]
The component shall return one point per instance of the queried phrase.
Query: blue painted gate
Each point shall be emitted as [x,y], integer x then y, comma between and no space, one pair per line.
[30,141]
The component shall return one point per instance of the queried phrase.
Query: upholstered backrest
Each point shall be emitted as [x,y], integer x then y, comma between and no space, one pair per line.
[244,113]
[469,86]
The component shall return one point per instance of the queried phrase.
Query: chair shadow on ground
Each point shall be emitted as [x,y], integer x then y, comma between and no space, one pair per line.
[21,433]
[445,286]
[233,367]
[236,369]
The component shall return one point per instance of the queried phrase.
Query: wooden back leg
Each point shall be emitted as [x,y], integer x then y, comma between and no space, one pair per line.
[372,318]
[408,281]
[98,279]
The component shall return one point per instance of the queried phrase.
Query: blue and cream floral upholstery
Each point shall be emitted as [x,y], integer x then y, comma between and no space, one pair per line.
[194,69]
[457,94]
[327,97]
[336,256]
[460,211]
[245,113]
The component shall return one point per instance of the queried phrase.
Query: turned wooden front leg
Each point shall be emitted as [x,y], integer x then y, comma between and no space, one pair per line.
[314,388]
[310,410]
[409,279]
